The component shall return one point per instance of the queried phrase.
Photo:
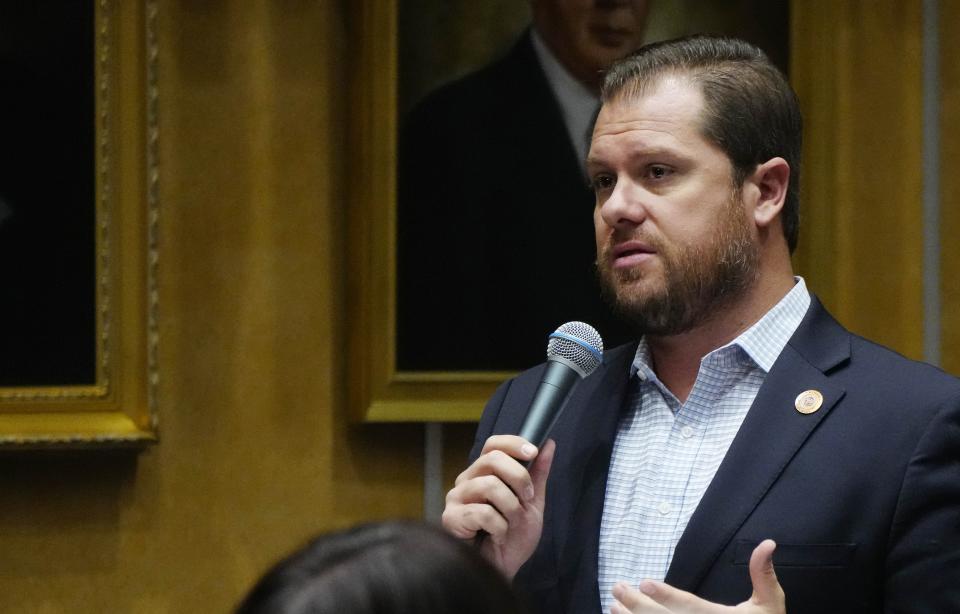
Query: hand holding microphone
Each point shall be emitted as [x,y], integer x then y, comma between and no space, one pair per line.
[502,494]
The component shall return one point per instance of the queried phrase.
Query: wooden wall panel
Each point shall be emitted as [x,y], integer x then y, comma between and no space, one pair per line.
[856,66]
[950,183]
[256,452]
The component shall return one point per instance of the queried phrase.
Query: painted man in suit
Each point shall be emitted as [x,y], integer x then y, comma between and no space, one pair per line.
[492,193]
[744,413]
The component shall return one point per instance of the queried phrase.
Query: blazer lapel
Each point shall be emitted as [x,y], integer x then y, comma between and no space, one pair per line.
[590,435]
[772,433]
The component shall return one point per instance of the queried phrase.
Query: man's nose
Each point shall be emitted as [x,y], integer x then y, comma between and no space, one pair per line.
[625,207]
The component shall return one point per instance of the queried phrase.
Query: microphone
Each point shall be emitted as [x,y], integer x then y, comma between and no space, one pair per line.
[574,351]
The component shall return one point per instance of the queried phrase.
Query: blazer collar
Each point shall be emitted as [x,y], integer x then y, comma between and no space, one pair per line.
[593,430]
[771,434]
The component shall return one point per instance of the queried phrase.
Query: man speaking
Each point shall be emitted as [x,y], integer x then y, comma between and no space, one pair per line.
[743,413]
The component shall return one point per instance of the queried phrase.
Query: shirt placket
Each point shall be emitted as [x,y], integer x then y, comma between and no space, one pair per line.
[693,420]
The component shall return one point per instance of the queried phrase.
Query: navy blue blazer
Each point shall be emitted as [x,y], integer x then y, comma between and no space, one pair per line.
[862,496]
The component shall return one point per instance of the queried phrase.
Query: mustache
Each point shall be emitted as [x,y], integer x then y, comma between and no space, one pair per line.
[618,237]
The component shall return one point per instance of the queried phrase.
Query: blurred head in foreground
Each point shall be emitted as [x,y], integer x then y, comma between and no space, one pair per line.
[382,568]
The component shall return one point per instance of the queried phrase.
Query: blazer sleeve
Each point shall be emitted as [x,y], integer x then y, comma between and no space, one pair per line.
[491,412]
[923,562]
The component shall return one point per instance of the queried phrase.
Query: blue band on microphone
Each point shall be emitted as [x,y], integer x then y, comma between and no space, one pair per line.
[557,334]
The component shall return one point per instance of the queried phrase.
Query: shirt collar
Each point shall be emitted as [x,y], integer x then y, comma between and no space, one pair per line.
[762,342]
[578,104]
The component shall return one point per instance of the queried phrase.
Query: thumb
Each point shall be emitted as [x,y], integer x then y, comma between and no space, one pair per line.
[766,588]
[540,470]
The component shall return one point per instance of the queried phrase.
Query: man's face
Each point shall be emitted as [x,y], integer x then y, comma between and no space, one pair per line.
[589,35]
[674,241]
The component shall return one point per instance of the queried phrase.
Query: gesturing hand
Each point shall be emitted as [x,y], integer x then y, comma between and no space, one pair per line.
[497,495]
[661,598]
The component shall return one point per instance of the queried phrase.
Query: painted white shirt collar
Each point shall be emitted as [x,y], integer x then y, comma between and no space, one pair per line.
[578,104]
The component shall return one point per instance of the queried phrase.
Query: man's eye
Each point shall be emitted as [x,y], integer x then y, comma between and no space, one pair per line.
[602,182]
[658,172]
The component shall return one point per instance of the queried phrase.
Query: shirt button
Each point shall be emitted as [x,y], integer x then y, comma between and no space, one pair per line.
[687,432]
[664,508]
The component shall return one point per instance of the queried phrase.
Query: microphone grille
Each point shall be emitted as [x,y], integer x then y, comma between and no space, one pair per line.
[579,345]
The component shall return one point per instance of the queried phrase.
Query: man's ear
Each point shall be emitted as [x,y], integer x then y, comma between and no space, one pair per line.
[771,179]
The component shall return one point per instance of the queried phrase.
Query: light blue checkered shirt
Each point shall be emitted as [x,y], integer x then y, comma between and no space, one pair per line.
[666,454]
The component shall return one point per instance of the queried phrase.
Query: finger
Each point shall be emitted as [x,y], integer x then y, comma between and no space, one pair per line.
[766,587]
[515,446]
[465,521]
[540,471]
[487,489]
[504,467]
[673,599]
[619,608]
[632,600]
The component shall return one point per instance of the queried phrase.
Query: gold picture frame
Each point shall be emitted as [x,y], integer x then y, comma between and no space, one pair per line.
[378,392]
[120,408]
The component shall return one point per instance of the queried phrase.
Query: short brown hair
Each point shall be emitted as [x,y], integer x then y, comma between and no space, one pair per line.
[750,111]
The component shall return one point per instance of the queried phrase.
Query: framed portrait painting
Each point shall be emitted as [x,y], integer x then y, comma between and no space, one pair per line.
[78,210]
[471,219]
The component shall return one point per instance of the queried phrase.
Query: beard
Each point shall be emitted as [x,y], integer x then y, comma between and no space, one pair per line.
[698,280]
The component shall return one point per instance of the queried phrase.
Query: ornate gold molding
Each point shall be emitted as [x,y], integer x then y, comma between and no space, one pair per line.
[121,408]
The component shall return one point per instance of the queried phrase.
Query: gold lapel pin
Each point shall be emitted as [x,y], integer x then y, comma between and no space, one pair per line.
[808,401]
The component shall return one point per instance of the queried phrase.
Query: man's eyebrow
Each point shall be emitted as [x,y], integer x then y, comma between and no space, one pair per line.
[594,163]
[641,152]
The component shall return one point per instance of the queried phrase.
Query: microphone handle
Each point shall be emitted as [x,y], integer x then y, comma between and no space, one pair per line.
[551,395]
[558,379]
